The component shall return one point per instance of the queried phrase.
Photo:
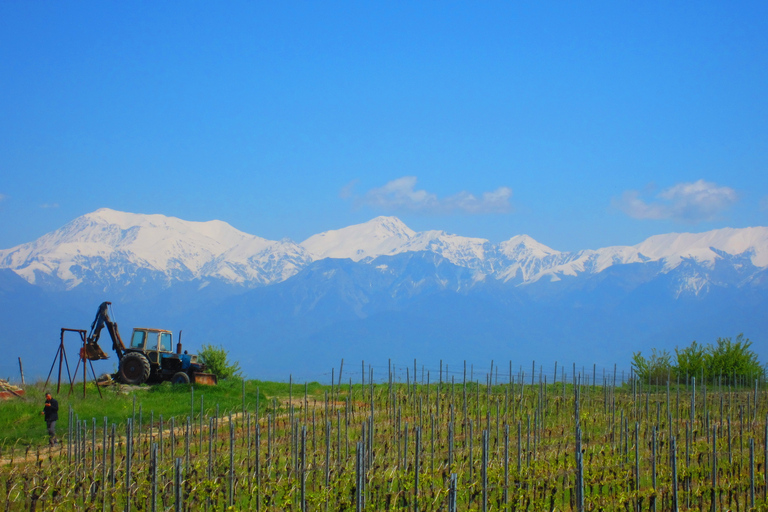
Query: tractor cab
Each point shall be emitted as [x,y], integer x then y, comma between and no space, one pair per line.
[157,347]
[154,343]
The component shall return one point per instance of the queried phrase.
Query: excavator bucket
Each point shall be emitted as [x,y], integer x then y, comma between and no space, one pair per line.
[205,378]
[94,352]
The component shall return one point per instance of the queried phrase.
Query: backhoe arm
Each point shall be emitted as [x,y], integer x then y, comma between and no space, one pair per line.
[92,346]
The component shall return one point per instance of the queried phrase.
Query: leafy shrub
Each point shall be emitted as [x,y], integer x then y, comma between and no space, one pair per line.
[655,369]
[691,361]
[733,360]
[216,359]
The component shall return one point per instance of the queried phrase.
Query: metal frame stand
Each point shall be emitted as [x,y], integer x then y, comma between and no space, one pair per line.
[61,355]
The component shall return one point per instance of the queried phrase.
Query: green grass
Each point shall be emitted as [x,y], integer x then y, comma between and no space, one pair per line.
[22,424]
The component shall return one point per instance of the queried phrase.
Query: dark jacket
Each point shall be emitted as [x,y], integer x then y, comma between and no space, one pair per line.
[51,410]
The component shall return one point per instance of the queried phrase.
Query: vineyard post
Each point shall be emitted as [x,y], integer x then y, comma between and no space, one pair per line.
[186,444]
[519,446]
[714,468]
[693,401]
[471,461]
[506,464]
[755,401]
[257,464]
[704,397]
[673,457]
[112,458]
[528,442]
[416,467]
[302,473]
[637,466]
[452,492]
[210,447]
[484,473]
[688,465]
[358,478]
[432,442]
[153,470]
[93,445]
[173,437]
[178,504]
[338,437]
[653,466]
[751,472]
[248,444]
[202,411]
[328,426]
[231,472]
[104,462]
[405,447]
[128,457]
[579,472]
[677,405]
[69,436]
[741,432]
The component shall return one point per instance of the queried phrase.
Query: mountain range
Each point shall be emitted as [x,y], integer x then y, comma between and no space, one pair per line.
[380,291]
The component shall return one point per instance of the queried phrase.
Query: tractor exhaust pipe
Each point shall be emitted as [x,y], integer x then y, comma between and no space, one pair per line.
[178,345]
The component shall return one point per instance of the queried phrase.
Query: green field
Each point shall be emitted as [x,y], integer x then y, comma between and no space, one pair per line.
[391,446]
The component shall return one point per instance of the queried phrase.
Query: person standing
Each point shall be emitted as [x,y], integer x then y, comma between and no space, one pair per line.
[51,412]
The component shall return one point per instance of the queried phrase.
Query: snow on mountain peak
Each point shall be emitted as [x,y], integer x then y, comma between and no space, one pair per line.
[674,247]
[382,235]
[524,244]
[108,246]
[111,242]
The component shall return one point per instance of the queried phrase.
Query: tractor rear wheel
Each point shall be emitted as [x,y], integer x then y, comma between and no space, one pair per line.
[180,378]
[134,369]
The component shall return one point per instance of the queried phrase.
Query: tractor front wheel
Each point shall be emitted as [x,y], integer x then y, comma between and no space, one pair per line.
[180,378]
[134,369]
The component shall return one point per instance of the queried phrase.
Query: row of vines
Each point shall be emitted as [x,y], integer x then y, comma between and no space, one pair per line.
[521,444]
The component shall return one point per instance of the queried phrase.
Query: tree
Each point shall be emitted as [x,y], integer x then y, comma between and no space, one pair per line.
[216,359]
[691,360]
[654,369]
[733,360]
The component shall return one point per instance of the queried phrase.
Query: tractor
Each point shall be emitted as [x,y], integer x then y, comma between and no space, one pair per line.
[149,358]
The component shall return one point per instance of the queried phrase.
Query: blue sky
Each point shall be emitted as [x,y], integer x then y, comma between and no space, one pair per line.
[581,124]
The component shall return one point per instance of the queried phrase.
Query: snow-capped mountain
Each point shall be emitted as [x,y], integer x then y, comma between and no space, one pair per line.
[108,247]
[521,259]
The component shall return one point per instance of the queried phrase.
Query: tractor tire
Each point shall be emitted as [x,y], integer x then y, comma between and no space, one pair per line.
[180,378]
[134,369]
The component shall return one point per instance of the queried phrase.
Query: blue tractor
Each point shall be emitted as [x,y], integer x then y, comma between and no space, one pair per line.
[149,358]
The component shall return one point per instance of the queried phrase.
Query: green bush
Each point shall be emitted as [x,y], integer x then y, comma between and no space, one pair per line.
[216,359]
[654,370]
[691,361]
[733,359]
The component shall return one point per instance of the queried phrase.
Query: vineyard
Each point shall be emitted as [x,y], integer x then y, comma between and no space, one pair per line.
[582,441]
